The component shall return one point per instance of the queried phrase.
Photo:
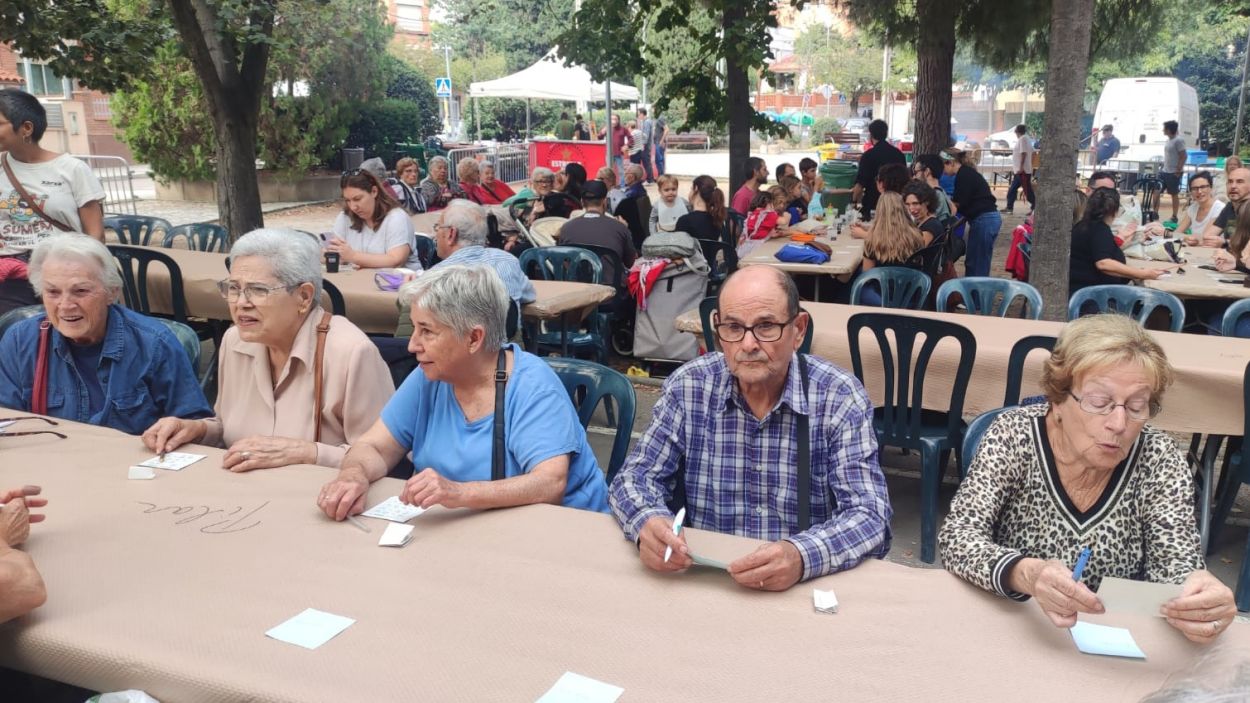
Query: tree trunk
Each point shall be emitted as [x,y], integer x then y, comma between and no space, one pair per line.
[1070,22]
[738,99]
[238,194]
[233,79]
[935,64]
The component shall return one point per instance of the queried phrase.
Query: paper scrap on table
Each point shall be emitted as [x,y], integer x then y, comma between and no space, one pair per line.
[825,601]
[173,461]
[310,629]
[1139,597]
[393,510]
[575,688]
[396,534]
[704,561]
[6,423]
[141,473]
[1105,640]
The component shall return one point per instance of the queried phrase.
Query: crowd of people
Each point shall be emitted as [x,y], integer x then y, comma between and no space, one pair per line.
[486,424]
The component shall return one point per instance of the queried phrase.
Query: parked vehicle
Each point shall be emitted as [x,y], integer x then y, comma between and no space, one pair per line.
[1138,107]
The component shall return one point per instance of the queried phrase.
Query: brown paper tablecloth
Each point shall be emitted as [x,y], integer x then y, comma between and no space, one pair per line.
[169,586]
[1196,282]
[371,309]
[1206,396]
[848,252]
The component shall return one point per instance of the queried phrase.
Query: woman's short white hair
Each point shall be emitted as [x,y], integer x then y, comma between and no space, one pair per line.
[440,160]
[294,256]
[541,172]
[78,247]
[463,297]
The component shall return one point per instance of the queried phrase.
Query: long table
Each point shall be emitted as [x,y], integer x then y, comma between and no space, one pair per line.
[1196,282]
[169,586]
[372,310]
[1206,396]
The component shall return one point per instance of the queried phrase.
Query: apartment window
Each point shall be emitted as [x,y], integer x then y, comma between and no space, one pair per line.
[43,81]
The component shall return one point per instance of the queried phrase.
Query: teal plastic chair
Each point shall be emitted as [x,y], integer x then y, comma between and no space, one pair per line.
[1136,302]
[900,287]
[187,337]
[613,320]
[708,306]
[590,384]
[427,250]
[1233,315]
[1015,366]
[16,315]
[200,236]
[1236,471]
[901,419]
[566,264]
[985,295]
[972,437]
[136,230]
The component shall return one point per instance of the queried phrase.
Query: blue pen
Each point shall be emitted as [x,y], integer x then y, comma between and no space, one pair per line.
[1081,561]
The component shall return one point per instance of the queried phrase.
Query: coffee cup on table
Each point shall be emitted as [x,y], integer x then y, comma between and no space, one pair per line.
[332,262]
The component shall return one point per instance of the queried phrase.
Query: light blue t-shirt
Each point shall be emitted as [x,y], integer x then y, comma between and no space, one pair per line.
[541,423]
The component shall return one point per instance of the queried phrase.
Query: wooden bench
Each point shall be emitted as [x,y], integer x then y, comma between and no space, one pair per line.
[676,139]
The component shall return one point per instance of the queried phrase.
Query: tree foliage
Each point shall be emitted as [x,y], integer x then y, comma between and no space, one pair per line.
[315,85]
[104,44]
[522,31]
[407,83]
[851,61]
[603,37]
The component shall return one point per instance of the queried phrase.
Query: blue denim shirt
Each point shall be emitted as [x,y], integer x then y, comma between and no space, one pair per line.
[144,371]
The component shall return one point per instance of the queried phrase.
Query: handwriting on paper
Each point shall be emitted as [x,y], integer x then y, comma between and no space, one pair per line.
[209,520]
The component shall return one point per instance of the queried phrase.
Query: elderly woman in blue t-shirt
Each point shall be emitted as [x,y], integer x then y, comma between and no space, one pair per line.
[444,413]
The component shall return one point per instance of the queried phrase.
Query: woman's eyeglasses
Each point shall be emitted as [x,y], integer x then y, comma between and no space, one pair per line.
[6,421]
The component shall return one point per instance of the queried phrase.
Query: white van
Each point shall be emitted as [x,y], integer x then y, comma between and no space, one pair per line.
[1138,107]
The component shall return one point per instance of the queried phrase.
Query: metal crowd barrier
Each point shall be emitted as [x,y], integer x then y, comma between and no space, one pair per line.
[511,162]
[118,181]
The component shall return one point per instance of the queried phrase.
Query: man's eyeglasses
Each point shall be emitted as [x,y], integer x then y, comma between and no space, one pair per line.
[1139,410]
[6,421]
[764,331]
[255,292]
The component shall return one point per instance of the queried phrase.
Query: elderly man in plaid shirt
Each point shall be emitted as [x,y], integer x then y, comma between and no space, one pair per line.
[729,423]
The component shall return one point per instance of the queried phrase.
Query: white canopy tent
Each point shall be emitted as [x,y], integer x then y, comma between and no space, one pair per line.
[550,79]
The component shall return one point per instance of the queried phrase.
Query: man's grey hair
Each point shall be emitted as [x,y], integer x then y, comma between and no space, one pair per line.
[541,172]
[294,256]
[76,247]
[469,219]
[463,297]
[634,170]
[1221,675]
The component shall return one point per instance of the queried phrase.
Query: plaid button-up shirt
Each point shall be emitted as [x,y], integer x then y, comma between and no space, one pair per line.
[741,471]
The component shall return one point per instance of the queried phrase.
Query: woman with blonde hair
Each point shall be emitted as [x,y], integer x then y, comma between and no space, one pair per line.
[894,240]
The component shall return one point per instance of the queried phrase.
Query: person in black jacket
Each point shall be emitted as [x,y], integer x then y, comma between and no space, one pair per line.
[978,206]
[881,152]
[1096,259]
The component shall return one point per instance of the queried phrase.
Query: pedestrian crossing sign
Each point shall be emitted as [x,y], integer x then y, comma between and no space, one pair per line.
[442,87]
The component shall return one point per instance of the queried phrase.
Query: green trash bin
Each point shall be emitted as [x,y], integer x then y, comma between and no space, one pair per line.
[838,173]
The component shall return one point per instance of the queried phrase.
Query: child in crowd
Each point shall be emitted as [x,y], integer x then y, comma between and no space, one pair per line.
[636,137]
[665,213]
[768,219]
[796,204]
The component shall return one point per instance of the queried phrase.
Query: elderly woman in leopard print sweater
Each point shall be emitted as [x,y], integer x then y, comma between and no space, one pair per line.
[1084,470]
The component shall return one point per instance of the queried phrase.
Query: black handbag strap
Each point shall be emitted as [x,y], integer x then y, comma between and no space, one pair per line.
[497,450]
[804,478]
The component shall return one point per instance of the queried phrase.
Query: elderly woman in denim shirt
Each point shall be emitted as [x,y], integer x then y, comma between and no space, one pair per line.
[105,364]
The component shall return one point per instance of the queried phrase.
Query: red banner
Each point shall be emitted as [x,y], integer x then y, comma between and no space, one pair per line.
[555,154]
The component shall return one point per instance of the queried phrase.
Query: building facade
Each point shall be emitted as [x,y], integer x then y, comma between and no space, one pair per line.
[80,121]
